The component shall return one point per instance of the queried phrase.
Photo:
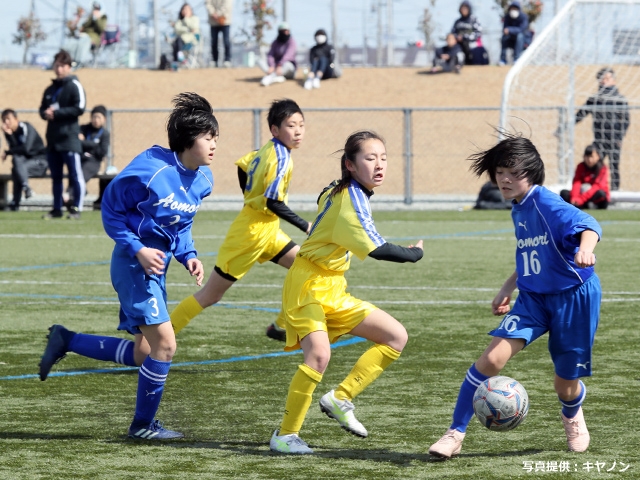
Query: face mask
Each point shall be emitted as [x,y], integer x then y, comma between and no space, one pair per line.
[320,39]
[283,37]
[514,13]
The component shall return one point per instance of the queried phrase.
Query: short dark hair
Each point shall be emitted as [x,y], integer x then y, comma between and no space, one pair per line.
[603,71]
[63,57]
[514,151]
[8,111]
[281,110]
[191,117]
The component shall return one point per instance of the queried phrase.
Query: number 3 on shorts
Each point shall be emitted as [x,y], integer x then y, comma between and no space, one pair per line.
[154,305]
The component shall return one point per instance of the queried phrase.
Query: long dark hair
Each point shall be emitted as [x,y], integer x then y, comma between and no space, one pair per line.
[352,147]
[598,166]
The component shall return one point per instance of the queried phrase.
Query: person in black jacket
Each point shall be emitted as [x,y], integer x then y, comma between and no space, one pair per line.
[62,104]
[610,112]
[28,153]
[449,58]
[468,32]
[321,57]
[515,32]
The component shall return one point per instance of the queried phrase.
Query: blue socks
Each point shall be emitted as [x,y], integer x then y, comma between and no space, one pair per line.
[151,378]
[463,411]
[570,408]
[107,349]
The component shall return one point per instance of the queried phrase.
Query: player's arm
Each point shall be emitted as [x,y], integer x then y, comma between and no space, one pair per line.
[391,252]
[284,212]
[77,103]
[583,112]
[242,179]
[585,256]
[500,304]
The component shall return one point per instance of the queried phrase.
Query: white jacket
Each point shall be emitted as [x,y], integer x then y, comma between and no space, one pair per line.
[220,8]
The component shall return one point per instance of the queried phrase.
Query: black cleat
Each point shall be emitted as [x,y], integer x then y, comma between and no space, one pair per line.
[56,349]
[277,333]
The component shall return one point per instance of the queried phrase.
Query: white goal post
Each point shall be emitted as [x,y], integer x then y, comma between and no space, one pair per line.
[548,88]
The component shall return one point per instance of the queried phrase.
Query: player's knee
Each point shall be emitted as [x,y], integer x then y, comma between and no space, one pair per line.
[399,338]
[319,360]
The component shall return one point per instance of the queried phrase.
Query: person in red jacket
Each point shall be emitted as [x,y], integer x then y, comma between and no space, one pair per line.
[590,187]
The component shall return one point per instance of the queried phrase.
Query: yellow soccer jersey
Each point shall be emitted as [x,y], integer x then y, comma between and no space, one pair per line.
[268,175]
[343,225]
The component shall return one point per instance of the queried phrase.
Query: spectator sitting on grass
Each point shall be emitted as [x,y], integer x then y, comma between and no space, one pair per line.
[281,59]
[321,58]
[449,58]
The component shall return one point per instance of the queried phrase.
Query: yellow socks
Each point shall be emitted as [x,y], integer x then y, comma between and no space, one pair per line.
[368,367]
[302,386]
[184,313]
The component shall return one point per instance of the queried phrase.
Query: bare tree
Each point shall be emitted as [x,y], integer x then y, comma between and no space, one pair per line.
[29,34]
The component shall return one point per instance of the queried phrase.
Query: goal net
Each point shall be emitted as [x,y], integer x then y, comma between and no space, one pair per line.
[550,85]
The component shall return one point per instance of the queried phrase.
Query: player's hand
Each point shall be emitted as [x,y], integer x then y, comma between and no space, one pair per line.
[500,304]
[152,260]
[585,259]
[196,269]
[81,137]
[48,113]
[417,245]
[6,129]
[309,228]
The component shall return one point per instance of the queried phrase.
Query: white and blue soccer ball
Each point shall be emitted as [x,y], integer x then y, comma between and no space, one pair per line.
[501,403]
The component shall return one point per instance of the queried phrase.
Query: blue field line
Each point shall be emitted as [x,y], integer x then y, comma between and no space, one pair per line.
[243,358]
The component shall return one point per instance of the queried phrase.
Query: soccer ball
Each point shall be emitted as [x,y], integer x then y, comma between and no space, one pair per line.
[501,403]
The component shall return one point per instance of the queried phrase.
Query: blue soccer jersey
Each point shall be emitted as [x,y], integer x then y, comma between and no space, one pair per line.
[547,238]
[155,198]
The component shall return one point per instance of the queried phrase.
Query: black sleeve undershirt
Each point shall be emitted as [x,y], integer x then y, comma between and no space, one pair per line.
[242,179]
[391,252]
[286,214]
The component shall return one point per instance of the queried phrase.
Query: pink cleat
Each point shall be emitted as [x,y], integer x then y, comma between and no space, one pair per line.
[449,445]
[577,433]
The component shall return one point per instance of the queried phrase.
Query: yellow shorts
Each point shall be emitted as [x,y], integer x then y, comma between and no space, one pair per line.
[253,237]
[315,299]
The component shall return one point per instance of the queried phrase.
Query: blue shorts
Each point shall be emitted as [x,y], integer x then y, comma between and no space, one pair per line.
[143,297]
[571,318]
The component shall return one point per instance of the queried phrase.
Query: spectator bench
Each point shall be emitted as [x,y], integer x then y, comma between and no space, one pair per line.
[6,191]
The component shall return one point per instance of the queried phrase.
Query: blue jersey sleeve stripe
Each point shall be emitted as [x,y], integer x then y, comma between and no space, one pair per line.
[282,159]
[363,210]
[553,242]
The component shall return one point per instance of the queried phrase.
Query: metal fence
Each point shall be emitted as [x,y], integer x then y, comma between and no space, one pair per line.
[427,147]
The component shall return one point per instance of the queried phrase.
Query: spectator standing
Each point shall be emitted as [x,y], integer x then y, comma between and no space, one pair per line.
[187,30]
[321,58]
[610,112]
[62,104]
[281,58]
[28,152]
[590,188]
[514,33]
[449,58]
[220,12]
[468,32]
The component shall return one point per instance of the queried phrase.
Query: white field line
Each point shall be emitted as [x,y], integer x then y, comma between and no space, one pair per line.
[278,286]
[381,302]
